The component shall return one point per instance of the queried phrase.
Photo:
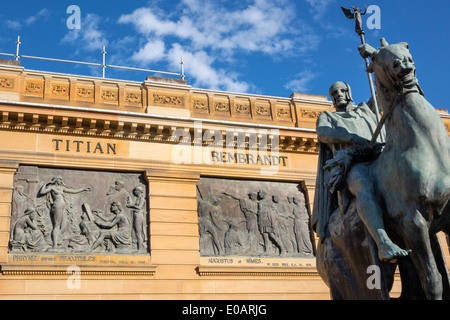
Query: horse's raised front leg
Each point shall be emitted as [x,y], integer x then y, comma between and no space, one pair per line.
[414,230]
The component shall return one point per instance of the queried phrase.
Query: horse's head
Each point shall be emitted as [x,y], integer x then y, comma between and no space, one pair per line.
[393,68]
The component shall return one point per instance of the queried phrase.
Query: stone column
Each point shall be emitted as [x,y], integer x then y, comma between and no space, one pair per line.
[173,234]
[309,185]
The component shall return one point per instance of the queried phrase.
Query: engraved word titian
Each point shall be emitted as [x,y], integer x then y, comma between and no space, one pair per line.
[84,146]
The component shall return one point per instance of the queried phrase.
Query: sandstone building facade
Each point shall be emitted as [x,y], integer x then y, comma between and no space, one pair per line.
[116,189]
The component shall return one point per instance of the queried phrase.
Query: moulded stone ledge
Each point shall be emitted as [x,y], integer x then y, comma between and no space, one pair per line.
[257,271]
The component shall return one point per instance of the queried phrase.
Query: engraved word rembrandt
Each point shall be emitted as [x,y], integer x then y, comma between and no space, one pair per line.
[248,158]
[242,146]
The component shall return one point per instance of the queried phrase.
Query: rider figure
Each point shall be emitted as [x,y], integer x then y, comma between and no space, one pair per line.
[347,133]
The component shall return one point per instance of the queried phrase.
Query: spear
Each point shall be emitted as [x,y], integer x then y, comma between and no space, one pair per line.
[356,15]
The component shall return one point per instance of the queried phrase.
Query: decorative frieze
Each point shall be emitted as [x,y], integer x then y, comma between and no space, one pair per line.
[7,83]
[200,104]
[304,113]
[242,108]
[263,110]
[49,270]
[129,95]
[60,90]
[253,218]
[222,106]
[34,87]
[110,95]
[284,112]
[134,97]
[85,93]
[135,130]
[168,99]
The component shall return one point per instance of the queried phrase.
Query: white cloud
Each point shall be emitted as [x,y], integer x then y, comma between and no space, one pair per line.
[146,22]
[154,50]
[302,82]
[89,37]
[199,68]
[12,24]
[43,13]
[206,29]
[319,8]
[18,24]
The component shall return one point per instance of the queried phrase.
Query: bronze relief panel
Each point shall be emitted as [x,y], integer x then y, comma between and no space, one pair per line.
[253,218]
[60,211]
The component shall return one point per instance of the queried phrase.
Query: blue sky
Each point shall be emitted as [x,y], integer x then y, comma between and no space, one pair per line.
[250,46]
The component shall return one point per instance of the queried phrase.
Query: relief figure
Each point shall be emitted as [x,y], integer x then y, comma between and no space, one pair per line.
[237,239]
[56,190]
[249,206]
[301,226]
[209,212]
[286,225]
[138,208]
[121,237]
[27,234]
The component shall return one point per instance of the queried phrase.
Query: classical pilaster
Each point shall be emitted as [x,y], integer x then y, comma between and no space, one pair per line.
[173,217]
[7,171]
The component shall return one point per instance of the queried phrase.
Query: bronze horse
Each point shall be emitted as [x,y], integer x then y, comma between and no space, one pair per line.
[412,178]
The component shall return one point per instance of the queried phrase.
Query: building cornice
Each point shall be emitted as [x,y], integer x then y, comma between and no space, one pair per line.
[79,121]
[33,100]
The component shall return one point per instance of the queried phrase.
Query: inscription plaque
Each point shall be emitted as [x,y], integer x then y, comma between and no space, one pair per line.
[66,211]
[253,218]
